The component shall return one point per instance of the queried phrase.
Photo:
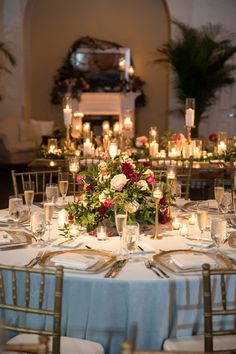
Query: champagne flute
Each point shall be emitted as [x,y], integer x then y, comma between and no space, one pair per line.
[120,220]
[15,208]
[48,210]
[63,185]
[38,226]
[29,188]
[131,237]
[218,191]
[202,216]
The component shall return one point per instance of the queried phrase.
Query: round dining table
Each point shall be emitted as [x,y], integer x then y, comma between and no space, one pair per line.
[106,309]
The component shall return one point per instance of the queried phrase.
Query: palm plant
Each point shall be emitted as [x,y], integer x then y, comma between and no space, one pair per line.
[8,55]
[199,59]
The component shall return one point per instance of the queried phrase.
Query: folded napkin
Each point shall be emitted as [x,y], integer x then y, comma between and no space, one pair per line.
[5,238]
[144,247]
[196,243]
[228,251]
[189,261]
[67,243]
[76,260]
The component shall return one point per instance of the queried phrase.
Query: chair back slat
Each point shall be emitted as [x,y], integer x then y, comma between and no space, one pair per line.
[223,291]
[27,289]
[23,300]
[41,291]
[40,178]
[2,290]
[14,289]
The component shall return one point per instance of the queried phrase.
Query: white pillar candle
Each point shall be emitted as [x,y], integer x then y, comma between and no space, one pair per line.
[157,193]
[189,117]
[131,71]
[62,217]
[175,224]
[113,149]
[153,149]
[67,115]
[221,147]
[128,124]
[87,148]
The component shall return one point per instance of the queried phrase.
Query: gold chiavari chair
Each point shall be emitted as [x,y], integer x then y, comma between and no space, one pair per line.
[213,340]
[39,348]
[41,178]
[26,295]
[183,168]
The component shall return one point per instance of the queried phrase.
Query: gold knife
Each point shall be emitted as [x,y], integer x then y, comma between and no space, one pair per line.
[115,269]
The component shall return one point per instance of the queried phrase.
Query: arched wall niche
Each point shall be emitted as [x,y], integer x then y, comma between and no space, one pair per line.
[50,28]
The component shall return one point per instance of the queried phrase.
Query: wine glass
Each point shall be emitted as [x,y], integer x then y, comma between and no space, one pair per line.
[226,202]
[131,237]
[48,210]
[202,216]
[15,208]
[63,185]
[38,226]
[218,191]
[52,193]
[120,220]
[29,188]
[218,232]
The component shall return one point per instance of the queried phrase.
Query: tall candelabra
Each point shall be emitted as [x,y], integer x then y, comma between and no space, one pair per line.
[74,168]
[157,195]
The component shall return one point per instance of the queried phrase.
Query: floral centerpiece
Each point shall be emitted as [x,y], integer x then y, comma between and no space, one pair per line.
[114,182]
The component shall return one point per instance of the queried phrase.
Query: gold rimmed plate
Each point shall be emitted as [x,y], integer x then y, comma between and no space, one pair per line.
[192,207]
[15,239]
[190,261]
[102,259]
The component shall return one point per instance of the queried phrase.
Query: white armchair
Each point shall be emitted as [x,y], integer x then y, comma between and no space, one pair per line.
[19,139]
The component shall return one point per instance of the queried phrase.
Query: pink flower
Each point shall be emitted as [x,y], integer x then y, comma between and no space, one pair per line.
[151,180]
[80,180]
[178,137]
[118,182]
[127,169]
[105,156]
[106,205]
[141,140]
[90,186]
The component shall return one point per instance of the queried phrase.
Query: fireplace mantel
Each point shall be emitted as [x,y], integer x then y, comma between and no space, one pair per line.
[107,103]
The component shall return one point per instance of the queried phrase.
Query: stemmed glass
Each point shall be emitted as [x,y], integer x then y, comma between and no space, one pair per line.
[218,191]
[131,237]
[226,202]
[202,216]
[15,208]
[63,185]
[218,233]
[52,193]
[48,210]
[38,226]
[29,188]
[120,220]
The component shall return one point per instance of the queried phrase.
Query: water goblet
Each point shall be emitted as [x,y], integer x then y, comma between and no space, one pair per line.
[202,217]
[38,226]
[52,193]
[218,191]
[120,220]
[226,202]
[63,185]
[130,237]
[29,188]
[15,208]
[218,232]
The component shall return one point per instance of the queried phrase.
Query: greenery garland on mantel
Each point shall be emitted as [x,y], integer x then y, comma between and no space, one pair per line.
[71,79]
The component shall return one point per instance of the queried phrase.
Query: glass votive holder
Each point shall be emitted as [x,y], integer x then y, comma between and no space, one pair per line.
[183,230]
[175,224]
[74,230]
[101,232]
[218,228]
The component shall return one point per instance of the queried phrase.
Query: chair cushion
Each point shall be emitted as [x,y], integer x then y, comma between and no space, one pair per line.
[68,344]
[196,343]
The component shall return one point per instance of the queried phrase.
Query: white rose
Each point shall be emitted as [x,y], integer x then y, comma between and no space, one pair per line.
[118,182]
[103,196]
[103,178]
[142,184]
[132,207]
[149,173]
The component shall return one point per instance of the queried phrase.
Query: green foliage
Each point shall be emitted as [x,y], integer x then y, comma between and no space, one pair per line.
[200,61]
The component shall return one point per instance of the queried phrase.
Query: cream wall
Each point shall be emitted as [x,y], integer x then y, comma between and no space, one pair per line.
[16,88]
[54,25]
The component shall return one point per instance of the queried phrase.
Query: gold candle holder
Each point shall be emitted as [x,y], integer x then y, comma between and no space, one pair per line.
[74,168]
[157,194]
